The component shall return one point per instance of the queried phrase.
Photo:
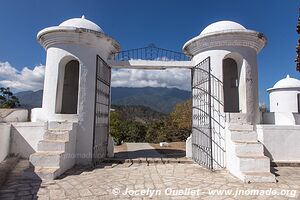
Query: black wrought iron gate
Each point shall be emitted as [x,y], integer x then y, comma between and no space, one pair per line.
[102,107]
[208,143]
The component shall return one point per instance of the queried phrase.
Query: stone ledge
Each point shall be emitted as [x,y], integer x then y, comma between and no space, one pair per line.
[13,115]
[148,160]
[28,124]
[285,164]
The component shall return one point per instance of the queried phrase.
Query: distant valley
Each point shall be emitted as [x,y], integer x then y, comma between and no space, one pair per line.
[159,99]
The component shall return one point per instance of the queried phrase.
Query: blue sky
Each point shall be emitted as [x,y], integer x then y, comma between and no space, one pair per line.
[136,23]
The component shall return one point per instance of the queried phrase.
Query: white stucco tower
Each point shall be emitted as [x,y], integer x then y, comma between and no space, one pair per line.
[225,100]
[285,96]
[284,103]
[233,53]
[70,77]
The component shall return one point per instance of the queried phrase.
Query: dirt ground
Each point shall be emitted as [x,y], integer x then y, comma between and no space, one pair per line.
[120,148]
[174,150]
[172,145]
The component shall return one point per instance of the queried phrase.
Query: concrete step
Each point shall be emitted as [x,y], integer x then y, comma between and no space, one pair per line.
[61,126]
[52,145]
[259,177]
[47,173]
[241,127]
[254,163]
[46,158]
[237,118]
[243,136]
[255,148]
[57,135]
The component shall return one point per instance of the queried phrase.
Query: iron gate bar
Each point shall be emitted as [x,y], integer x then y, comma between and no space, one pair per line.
[103,76]
[217,121]
[209,100]
[207,139]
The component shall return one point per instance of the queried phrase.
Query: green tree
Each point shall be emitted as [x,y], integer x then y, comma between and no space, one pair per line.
[124,130]
[182,115]
[116,128]
[7,99]
[156,132]
[180,122]
[136,132]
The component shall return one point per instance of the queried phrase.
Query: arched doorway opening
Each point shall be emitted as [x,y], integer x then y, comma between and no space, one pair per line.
[230,85]
[67,91]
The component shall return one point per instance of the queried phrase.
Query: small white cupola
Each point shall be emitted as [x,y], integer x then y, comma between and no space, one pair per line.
[81,23]
[222,26]
[284,96]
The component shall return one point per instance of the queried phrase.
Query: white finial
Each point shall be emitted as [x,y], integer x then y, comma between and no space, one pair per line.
[288,76]
[82,17]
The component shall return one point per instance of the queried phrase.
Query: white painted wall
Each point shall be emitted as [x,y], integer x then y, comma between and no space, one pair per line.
[189,147]
[25,137]
[110,147]
[39,115]
[284,100]
[281,142]
[4,140]
[232,163]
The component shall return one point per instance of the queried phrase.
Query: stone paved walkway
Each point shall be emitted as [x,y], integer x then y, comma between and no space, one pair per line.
[110,182]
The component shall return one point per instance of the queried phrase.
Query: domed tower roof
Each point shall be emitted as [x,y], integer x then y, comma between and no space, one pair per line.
[223,34]
[222,26]
[68,31]
[286,83]
[81,23]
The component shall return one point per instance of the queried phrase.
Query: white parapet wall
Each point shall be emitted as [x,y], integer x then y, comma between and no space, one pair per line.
[189,147]
[281,142]
[4,140]
[110,147]
[13,115]
[7,117]
[25,137]
[281,118]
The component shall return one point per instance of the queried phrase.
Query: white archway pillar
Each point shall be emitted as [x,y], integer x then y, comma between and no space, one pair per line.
[81,40]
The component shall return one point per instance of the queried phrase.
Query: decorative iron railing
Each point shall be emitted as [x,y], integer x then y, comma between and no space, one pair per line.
[150,52]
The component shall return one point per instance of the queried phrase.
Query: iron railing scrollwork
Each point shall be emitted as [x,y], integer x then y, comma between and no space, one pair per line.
[151,52]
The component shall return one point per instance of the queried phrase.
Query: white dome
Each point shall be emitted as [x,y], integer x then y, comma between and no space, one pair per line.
[82,23]
[222,26]
[287,82]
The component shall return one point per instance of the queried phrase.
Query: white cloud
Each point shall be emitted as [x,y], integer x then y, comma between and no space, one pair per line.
[26,79]
[33,79]
[179,78]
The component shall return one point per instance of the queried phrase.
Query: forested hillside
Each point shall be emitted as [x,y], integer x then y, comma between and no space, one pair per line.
[140,124]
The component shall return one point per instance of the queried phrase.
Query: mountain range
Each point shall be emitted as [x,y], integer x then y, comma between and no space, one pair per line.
[159,99]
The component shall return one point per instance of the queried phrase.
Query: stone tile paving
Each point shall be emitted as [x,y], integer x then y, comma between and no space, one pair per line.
[112,182]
